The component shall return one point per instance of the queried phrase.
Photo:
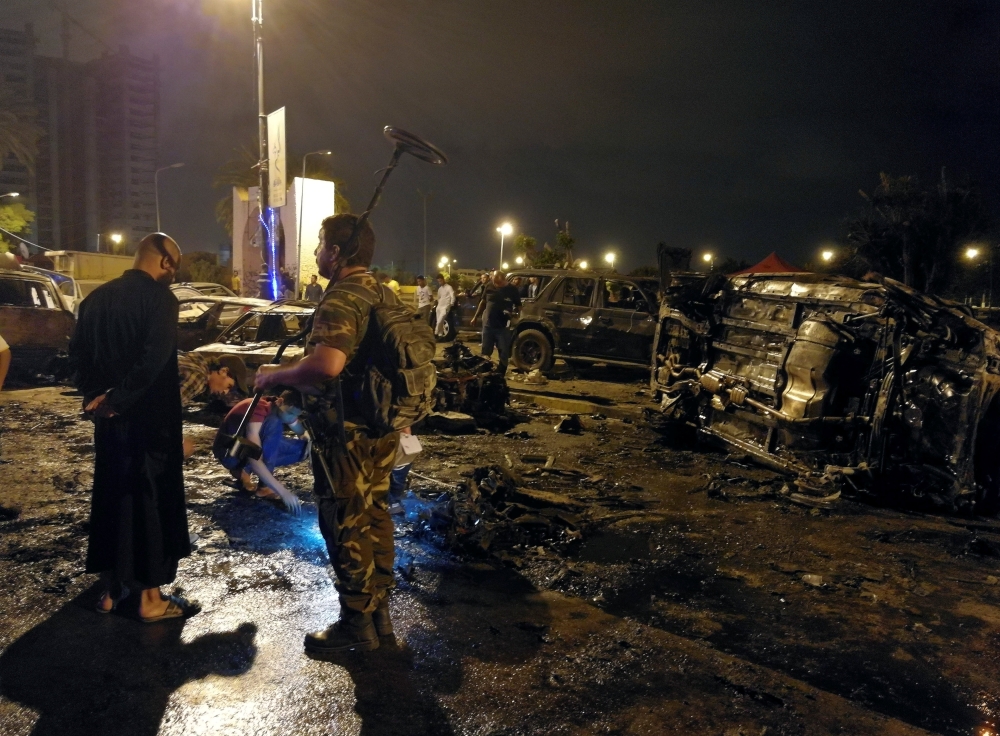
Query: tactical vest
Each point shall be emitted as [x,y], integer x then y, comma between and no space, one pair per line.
[390,380]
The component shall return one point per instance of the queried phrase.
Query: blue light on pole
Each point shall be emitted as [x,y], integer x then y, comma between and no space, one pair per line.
[272,246]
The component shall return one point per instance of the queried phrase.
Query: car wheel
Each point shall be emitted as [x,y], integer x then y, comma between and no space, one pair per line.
[532,350]
[449,332]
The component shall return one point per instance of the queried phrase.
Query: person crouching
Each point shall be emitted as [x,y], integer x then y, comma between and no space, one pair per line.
[266,429]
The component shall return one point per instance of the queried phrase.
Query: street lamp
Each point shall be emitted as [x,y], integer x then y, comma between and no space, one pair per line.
[827,256]
[972,253]
[709,258]
[583,265]
[519,260]
[156,189]
[505,229]
[445,262]
[302,197]
[504,266]
[10,194]
[610,260]
[116,238]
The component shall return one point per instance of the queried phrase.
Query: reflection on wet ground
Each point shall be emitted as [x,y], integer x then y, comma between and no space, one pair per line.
[679,611]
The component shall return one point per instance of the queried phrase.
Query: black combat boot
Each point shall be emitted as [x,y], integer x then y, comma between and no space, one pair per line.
[353,632]
[380,617]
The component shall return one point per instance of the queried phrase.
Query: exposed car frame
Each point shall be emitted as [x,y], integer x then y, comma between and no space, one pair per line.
[869,387]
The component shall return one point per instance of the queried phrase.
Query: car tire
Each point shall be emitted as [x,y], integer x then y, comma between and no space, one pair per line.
[449,332]
[532,350]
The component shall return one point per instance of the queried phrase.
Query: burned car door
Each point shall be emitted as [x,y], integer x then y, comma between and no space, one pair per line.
[624,323]
[571,312]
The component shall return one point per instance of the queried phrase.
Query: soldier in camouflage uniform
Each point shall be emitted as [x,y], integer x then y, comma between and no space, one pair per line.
[353,515]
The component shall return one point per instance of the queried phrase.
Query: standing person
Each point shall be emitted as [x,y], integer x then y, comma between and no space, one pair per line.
[4,360]
[497,306]
[124,350]
[314,292]
[264,284]
[424,297]
[237,283]
[353,515]
[532,287]
[445,302]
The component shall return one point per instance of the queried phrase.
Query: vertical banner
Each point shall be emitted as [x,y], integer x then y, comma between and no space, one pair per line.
[276,158]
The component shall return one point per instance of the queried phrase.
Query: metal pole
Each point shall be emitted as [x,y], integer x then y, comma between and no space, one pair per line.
[257,17]
[501,249]
[425,197]
[156,189]
[298,238]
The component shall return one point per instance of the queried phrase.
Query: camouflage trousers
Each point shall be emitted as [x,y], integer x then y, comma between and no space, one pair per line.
[354,515]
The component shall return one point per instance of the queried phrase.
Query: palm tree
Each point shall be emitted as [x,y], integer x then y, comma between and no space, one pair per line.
[241,171]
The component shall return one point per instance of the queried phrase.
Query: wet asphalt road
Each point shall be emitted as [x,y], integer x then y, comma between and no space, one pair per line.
[681,611]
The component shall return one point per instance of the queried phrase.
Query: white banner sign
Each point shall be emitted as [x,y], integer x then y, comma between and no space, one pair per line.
[276,158]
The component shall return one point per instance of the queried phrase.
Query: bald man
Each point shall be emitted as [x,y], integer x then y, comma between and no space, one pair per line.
[124,351]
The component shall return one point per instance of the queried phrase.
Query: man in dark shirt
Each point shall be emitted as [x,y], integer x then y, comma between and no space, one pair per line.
[124,351]
[314,292]
[497,306]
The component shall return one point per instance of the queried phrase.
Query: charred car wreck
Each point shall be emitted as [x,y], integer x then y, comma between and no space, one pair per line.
[863,387]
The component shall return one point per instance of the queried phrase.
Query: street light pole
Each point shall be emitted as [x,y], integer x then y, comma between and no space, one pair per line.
[302,204]
[505,229]
[425,196]
[265,221]
[156,190]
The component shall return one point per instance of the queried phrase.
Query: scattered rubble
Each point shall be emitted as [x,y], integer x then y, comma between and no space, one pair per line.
[569,425]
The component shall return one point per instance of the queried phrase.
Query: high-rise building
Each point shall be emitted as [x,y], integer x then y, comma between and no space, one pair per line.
[93,174]
[128,105]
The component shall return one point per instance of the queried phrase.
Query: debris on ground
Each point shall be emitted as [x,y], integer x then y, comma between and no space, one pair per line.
[452,422]
[469,384]
[492,514]
[569,425]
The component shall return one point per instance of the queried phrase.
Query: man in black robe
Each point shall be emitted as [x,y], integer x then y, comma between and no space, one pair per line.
[124,350]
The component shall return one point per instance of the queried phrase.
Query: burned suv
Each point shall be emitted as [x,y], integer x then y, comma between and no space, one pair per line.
[587,317]
[847,385]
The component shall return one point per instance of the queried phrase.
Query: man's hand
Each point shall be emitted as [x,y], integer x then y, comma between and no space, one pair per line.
[265,377]
[291,501]
[99,408]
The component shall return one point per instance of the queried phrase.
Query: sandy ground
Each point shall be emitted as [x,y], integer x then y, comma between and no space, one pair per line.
[699,600]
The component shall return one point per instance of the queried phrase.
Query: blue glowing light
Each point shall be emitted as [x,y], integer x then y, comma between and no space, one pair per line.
[272,245]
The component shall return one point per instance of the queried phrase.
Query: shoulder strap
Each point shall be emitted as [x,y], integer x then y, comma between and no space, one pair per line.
[363,293]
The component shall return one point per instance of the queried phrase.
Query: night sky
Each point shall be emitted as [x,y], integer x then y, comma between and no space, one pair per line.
[743,127]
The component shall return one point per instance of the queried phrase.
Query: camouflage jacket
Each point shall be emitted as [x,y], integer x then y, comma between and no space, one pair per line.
[341,322]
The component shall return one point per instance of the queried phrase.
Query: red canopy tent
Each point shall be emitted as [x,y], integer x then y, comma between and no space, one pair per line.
[772,264]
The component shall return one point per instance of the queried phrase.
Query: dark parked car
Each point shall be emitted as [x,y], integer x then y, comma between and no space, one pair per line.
[34,320]
[587,317]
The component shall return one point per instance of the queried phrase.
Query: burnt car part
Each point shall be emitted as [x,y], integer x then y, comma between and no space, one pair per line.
[864,387]
[469,384]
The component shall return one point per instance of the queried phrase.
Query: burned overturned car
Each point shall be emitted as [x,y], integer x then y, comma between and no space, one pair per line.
[862,387]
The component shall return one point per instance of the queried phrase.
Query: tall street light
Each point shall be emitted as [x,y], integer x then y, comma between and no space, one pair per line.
[425,196]
[709,258]
[505,229]
[10,194]
[156,189]
[972,253]
[610,260]
[302,203]
[265,215]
